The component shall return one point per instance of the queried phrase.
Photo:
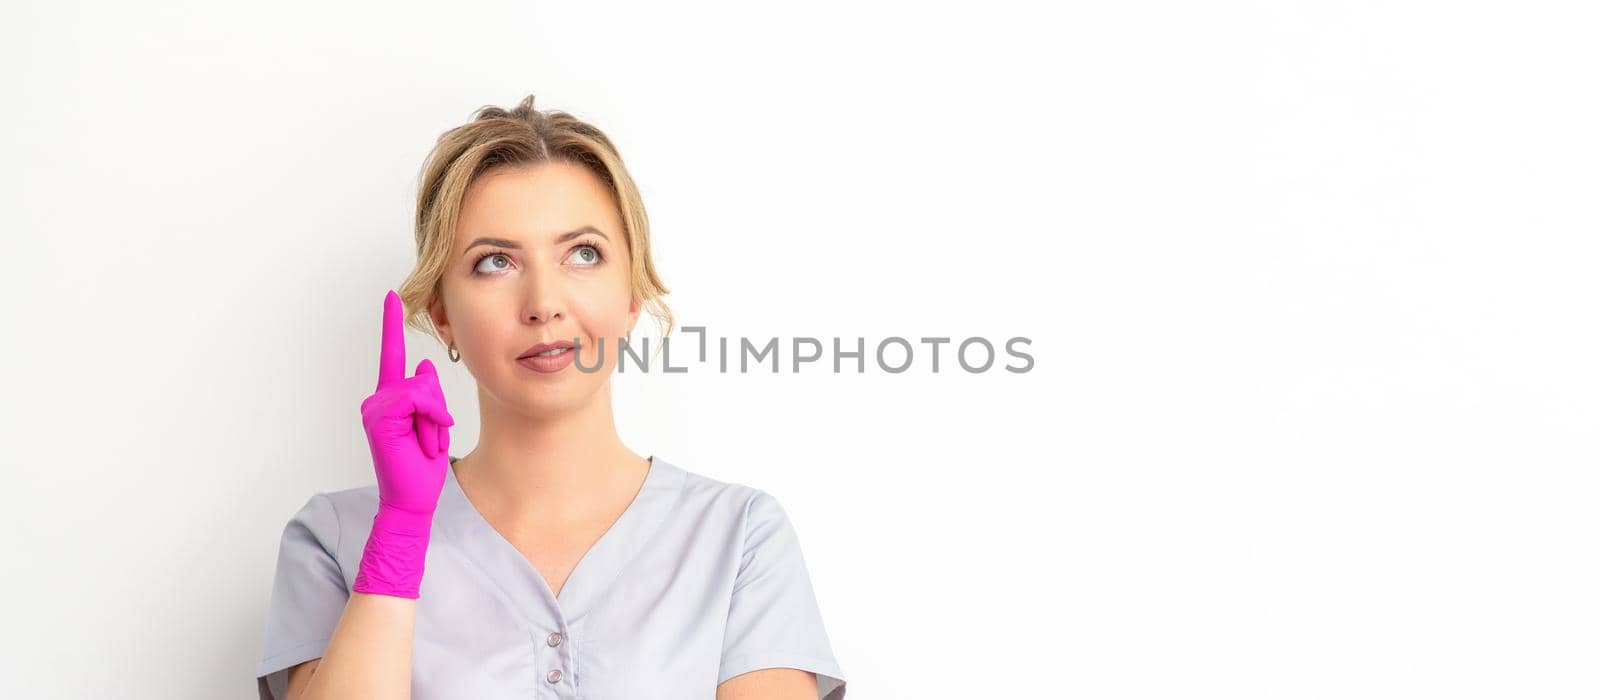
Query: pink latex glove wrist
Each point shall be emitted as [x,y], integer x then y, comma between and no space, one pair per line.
[408,431]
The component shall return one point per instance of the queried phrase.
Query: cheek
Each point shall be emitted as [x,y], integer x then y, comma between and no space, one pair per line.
[484,323]
[602,317]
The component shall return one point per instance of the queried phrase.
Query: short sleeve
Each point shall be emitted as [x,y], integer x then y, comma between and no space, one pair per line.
[774,620]
[308,595]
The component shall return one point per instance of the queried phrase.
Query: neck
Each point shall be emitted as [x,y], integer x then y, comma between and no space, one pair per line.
[560,465]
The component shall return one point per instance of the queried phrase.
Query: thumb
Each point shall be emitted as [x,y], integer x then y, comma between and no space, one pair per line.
[425,367]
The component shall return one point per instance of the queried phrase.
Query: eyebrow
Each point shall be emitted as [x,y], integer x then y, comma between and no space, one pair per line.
[563,238]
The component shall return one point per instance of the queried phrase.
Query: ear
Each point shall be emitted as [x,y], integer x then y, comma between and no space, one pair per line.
[633,315]
[440,321]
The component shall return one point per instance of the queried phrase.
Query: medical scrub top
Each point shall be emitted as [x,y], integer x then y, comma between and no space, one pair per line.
[696,582]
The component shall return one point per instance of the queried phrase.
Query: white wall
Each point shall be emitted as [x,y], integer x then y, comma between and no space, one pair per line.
[1311,289]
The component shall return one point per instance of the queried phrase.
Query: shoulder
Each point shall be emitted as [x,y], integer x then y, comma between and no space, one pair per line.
[698,489]
[346,506]
[747,507]
[701,487]
[328,517]
[353,504]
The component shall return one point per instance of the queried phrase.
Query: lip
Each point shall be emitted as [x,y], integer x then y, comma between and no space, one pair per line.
[547,364]
[541,347]
[532,361]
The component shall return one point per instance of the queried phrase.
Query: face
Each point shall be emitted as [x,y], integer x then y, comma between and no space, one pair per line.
[555,269]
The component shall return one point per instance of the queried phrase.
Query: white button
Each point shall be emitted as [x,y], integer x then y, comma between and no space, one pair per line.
[554,676]
[553,639]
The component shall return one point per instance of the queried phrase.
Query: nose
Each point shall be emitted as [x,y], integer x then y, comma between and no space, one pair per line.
[544,300]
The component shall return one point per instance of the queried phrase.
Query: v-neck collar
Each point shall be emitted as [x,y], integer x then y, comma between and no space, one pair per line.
[525,589]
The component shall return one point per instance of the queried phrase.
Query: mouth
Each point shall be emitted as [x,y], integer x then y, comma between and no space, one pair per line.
[553,349]
[547,357]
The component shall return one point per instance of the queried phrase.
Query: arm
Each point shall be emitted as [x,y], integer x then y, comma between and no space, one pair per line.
[369,655]
[299,676]
[407,426]
[770,684]
[774,644]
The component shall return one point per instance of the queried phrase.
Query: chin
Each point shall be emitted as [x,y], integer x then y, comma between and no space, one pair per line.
[560,392]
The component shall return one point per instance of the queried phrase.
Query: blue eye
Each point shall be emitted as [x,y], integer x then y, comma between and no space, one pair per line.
[583,255]
[593,257]
[477,268]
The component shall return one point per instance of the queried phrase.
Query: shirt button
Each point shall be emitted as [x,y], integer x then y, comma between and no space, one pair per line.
[553,639]
[554,676]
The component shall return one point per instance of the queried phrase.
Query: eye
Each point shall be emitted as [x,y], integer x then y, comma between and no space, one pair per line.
[504,263]
[588,255]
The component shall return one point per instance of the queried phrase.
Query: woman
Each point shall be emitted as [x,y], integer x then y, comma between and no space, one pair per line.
[558,562]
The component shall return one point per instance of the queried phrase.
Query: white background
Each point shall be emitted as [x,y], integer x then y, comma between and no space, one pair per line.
[1311,291]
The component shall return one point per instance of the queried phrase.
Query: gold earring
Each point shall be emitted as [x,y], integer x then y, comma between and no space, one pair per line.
[454,356]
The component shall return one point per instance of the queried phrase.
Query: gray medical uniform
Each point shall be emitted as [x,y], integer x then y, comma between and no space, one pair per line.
[698,581]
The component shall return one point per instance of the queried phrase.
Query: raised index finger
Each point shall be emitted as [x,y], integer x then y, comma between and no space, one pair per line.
[392,354]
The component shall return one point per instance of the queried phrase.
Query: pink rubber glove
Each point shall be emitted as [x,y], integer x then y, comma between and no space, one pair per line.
[408,429]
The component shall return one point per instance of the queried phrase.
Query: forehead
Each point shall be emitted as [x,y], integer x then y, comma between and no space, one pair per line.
[536,203]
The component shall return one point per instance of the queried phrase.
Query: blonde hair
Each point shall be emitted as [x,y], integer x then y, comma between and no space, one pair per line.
[522,136]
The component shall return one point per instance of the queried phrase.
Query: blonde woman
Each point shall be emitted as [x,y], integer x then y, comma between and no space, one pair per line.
[551,561]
